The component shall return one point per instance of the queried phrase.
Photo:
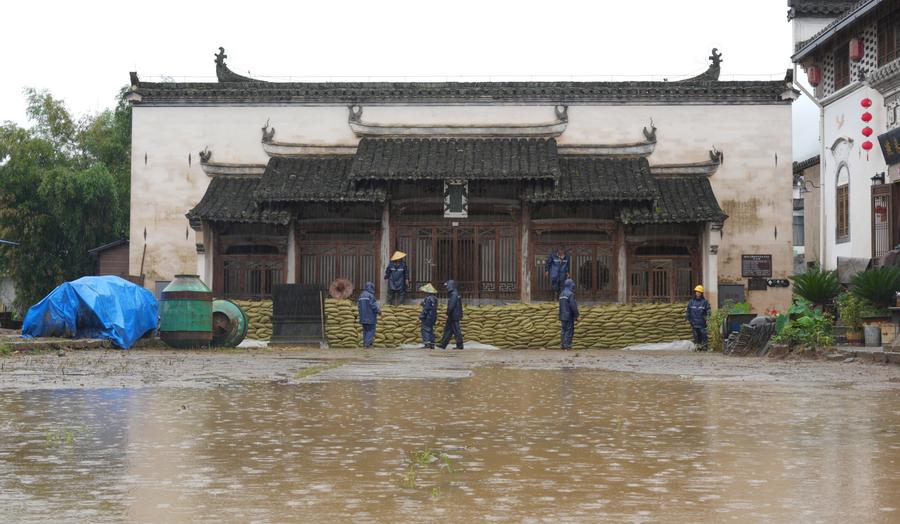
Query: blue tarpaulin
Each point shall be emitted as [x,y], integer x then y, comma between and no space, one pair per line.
[106,307]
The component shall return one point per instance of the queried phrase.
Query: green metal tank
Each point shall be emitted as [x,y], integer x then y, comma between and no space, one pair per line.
[185,311]
[229,323]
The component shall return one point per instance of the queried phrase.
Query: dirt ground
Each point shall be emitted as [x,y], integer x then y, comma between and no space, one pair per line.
[154,367]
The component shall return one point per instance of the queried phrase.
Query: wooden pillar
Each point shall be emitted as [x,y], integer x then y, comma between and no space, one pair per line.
[622,265]
[526,263]
[385,251]
[291,276]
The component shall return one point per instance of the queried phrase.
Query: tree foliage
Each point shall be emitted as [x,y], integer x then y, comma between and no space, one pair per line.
[63,190]
[817,286]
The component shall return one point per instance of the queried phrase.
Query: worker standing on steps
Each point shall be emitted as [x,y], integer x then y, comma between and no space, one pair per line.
[697,310]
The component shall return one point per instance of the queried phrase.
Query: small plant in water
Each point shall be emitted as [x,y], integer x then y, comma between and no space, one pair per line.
[64,436]
[425,460]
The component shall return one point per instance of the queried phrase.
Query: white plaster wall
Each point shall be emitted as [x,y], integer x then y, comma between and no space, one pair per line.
[753,185]
[843,119]
[804,29]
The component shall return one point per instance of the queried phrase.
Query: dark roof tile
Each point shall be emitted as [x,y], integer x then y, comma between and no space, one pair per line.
[684,199]
[231,200]
[312,178]
[466,159]
[595,178]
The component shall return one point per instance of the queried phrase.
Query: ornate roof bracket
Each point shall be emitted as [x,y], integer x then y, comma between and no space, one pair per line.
[295,149]
[698,169]
[632,149]
[711,74]
[217,169]
[545,130]
[227,75]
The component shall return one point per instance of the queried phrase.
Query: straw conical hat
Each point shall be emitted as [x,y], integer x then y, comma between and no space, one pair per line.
[397,255]
[428,288]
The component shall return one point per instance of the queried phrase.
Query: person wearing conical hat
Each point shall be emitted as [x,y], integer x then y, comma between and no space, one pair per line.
[697,311]
[397,276]
[428,316]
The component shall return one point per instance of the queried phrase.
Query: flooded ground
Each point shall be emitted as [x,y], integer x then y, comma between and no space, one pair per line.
[388,436]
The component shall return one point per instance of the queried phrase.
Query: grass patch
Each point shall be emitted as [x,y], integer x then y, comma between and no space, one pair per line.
[427,460]
[315,370]
[6,350]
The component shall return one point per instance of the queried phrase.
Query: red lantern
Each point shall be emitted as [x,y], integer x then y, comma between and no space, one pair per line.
[867,117]
[857,49]
[866,102]
[814,75]
[867,145]
[867,131]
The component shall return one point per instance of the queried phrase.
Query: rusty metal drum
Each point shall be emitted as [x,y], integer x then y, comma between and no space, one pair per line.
[229,324]
[185,311]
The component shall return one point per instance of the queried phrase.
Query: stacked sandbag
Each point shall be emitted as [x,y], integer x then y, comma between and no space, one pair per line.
[518,326]
[259,315]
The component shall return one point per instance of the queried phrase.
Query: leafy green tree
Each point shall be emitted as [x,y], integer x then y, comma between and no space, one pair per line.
[63,190]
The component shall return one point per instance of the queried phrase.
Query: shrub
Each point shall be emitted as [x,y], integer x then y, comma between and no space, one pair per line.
[851,309]
[818,286]
[877,286]
[811,328]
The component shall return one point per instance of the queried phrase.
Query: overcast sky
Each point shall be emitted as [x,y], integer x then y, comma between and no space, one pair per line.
[83,52]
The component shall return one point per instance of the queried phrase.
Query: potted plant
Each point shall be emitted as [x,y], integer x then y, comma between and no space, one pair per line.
[877,288]
[850,309]
[818,286]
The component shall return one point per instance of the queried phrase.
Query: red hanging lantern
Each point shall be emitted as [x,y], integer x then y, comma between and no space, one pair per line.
[867,145]
[857,49]
[866,102]
[867,117]
[814,75]
[867,131]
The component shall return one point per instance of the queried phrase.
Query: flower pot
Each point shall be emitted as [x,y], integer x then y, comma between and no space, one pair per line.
[854,337]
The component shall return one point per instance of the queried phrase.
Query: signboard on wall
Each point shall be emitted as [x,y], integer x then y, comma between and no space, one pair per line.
[890,146]
[756,266]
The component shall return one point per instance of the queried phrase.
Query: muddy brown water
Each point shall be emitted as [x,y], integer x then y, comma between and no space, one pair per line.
[564,445]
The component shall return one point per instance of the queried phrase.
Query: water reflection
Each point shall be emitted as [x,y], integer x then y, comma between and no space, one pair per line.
[572,445]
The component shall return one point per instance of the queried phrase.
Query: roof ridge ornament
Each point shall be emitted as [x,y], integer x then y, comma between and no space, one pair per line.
[224,74]
[711,74]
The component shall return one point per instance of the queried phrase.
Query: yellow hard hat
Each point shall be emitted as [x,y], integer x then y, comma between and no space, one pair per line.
[699,288]
[428,288]
[397,255]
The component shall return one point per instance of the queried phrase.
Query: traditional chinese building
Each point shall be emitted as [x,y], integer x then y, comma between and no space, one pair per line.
[652,187]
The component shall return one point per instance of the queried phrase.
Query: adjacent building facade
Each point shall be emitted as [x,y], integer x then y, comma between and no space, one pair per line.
[852,60]
[651,187]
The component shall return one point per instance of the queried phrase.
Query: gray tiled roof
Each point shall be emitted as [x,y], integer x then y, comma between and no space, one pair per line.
[685,199]
[231,200]
[450,158]
[731,92]
[817,8]
[312,178]
[596,178]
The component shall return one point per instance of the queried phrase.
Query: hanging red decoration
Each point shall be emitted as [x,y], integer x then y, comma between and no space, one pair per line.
[867,117]
[857,49]
[814,75]
[867,145]
[867,131]
[866,102]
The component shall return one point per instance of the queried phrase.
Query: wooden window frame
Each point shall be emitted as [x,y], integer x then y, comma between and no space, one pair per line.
[889,38]
[842,214]
[841,56]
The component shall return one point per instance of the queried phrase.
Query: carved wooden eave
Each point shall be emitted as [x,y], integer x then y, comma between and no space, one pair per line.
[231,170]
[700,169]
[538,130]
[631,149]
[295,149]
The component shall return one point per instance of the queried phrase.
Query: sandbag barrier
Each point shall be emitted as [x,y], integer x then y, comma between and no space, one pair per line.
[259,315]
[514,326]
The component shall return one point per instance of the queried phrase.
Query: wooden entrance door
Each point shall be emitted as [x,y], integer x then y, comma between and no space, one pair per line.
[482,259]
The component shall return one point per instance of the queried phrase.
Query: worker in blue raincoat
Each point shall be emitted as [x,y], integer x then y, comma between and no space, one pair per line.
[557,268]
[568,313]
[368,313]
[397,276]
[697,310]
[454,316]
[428,315]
